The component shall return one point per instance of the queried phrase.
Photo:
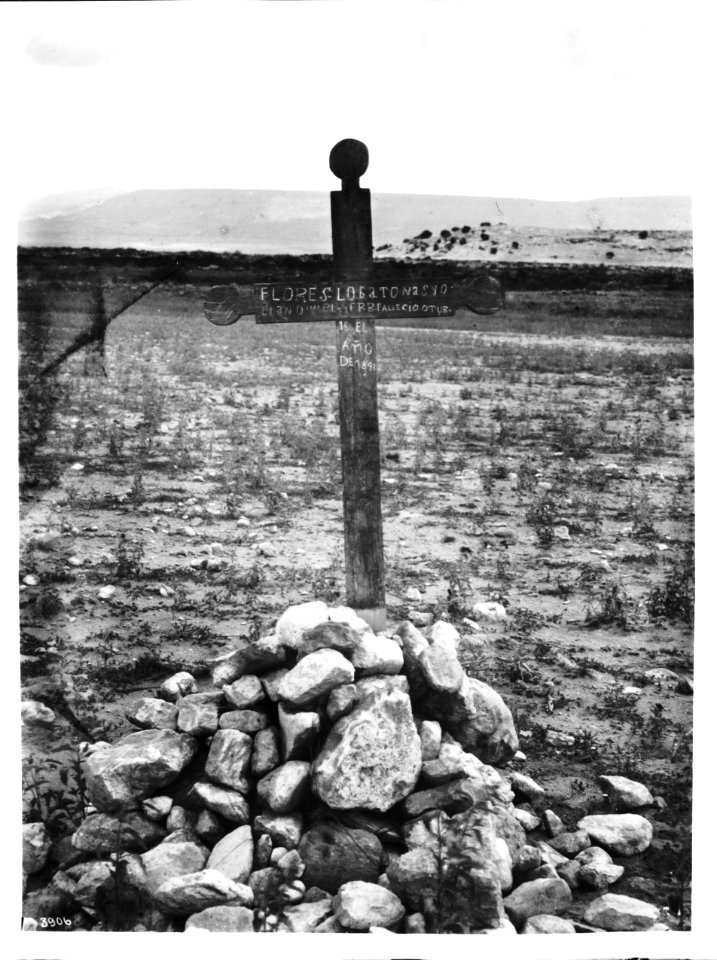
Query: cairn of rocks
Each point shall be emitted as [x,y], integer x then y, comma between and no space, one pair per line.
[332,780]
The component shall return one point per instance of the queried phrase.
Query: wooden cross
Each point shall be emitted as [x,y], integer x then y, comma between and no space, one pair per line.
[355,299]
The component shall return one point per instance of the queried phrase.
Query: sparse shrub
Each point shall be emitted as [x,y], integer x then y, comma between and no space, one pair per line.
[79,435]
[640,511]
[675,599]
[116,440]
[571,439]
[283,399]
[541,516]
[129,557]
[153,400]
[609,605]
[137,493]
[527,477]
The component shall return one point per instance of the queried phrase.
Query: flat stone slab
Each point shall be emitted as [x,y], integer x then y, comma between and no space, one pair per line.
[612,911]
[233,855]
[193,892]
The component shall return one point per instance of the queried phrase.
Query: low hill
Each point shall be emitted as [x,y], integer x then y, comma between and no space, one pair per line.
[293,222]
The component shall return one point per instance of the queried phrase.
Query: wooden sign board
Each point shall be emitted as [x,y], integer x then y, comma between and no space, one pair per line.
[361,299]
[276,301]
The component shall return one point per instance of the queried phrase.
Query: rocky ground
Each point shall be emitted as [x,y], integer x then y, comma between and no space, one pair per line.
[335,780]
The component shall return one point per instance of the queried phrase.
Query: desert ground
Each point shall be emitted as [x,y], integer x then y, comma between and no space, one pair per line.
[185,488]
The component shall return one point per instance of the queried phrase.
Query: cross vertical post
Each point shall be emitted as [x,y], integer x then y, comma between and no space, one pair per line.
[358,400]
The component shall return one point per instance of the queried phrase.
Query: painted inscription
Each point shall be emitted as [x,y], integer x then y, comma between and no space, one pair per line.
[284,302]
[355,349]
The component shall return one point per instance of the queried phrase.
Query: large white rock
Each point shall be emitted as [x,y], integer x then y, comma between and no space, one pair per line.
[315,676]
[612,911]
[621,833]
[359,905]
[233,855]
[296,619]
[136,766]
[371,758]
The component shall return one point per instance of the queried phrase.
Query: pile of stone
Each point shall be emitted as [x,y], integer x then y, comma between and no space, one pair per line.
[332,780]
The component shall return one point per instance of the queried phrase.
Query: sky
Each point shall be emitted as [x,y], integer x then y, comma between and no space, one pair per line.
[545,100]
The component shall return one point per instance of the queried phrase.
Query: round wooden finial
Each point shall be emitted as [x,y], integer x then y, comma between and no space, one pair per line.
[349,159]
